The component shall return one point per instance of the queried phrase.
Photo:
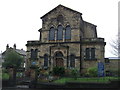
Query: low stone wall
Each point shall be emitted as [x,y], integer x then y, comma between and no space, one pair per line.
[75,85]
[8,83]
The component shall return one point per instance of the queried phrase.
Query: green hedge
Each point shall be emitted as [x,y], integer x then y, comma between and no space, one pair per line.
[5,76]
[92,72]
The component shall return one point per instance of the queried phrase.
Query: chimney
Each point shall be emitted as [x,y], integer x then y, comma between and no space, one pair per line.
[14,46]
[7,47]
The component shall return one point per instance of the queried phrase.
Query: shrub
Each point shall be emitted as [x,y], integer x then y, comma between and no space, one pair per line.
[4,70]
[67,72]
[92,72]
[60,71]
[74,73]
[5,76]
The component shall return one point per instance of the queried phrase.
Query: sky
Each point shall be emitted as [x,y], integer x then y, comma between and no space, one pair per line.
[20,19]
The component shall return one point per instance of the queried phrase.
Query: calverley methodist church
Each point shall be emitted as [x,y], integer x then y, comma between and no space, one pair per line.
[66,40]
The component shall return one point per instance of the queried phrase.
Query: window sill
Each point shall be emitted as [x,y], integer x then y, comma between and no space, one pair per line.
[67,40]
[33,59]
[94,59]
[51,40]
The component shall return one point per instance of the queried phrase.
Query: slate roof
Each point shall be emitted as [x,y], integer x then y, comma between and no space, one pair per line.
[19,51]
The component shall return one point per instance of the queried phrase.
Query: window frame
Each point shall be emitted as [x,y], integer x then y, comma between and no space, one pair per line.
[90,54]
[72,61]
[45,60]
[59,32]
[67,33]
[52,33]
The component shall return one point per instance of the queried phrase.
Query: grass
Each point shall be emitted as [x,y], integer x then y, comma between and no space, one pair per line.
[95,79]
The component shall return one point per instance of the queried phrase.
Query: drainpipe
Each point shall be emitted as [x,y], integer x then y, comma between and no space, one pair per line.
[80,55]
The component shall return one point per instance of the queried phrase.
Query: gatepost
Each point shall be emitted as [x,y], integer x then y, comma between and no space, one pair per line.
[33,75]
[101,69]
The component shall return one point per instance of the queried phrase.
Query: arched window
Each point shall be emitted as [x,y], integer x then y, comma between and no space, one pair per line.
[92,53]
[87,51]
[72,61]
[36,53]
[58,54]
[32,54]
[52,33]
[68,32]
[45,60]
[60,32]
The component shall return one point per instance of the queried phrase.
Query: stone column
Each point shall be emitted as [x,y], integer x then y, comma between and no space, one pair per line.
[12,74]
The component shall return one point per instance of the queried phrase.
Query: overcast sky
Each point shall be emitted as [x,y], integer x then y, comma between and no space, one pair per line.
[20,19]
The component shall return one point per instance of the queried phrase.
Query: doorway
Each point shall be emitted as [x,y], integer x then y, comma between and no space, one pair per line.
[58,59]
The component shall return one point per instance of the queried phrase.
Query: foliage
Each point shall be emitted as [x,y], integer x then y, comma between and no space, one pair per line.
[92,72]
[74,73]
[19,74]
[60,71]
[12,59]
[67,72]
[4,70]
[5,76]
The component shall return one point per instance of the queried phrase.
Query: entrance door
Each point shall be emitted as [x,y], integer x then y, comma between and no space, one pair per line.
[59,62]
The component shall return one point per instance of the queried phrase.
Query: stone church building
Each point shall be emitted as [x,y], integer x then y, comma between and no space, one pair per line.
[66,40]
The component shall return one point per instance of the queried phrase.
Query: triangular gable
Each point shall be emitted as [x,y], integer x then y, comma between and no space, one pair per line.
[59,6]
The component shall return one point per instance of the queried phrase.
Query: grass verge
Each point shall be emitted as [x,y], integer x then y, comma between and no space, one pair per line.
[94,79]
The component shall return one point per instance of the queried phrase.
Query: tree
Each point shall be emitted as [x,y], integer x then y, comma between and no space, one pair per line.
[12,59]
[116,46]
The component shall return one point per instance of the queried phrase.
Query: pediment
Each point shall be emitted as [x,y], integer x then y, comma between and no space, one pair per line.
[59,9]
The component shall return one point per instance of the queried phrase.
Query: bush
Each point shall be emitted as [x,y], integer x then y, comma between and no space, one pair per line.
[74,73]
[5,76]
[92,72]
[68,72]
[60,71]
[4,70]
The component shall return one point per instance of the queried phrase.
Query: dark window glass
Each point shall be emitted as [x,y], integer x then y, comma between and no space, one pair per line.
[58,54]
[46,60]
[107,61]
[72,61]
[52,33]
[92,53]
[87,53]
[32,54]
[68,32]
[60,33]
[36,52]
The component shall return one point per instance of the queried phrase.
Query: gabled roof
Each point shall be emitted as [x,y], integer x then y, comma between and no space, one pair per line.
[19,51]
[59,7]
